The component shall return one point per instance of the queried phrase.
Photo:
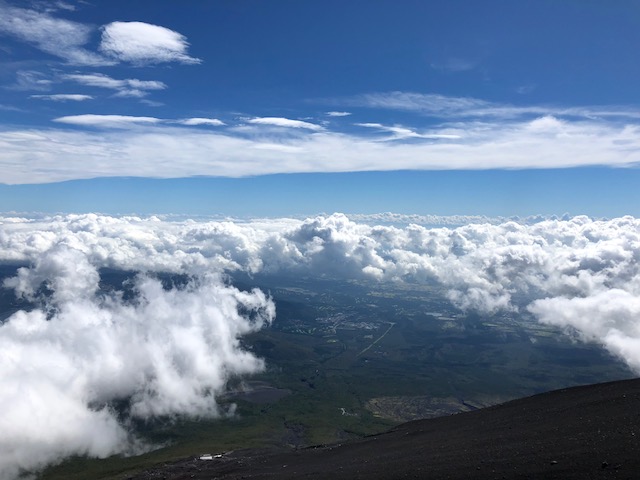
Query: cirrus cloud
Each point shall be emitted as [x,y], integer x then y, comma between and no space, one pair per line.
[62,38]
[64,97]
[130,87]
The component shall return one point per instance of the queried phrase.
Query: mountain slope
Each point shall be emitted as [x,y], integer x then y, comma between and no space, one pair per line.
[583,432]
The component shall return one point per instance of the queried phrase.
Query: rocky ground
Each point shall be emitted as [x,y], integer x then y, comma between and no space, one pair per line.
[589,432]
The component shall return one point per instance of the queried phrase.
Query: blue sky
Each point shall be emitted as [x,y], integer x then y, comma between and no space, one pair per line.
[299,107]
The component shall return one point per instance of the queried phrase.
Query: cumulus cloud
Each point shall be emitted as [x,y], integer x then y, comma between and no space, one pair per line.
[577,273]
[144,43]
[168,352]
[64,97]
[62,38]
[609,317]
[130,87]
[285,122]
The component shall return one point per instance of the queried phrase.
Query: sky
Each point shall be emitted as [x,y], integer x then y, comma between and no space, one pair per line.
[254,108]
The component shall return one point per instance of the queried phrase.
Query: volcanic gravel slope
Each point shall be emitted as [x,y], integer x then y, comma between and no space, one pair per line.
[575,433]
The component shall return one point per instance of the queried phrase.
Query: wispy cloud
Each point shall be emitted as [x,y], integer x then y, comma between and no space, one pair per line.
[144,43]
[338,114]
[201,121]
[108,121]
[64,97]
[124,121]
[526,89]
[54,6]
[447,107]
[62,38]
[285,122]
[31,80]
[130,87]
[401,133]
[455,64]
[9,108]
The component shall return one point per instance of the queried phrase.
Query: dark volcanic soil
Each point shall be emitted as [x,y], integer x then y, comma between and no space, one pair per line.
[577,433]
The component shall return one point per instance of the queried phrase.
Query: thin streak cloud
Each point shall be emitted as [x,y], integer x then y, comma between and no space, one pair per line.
[64,97]
[130,87]
[448,107]
[285,122]
[108,121]
[214,122]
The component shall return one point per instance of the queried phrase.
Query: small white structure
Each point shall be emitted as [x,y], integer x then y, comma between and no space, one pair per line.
[208,456]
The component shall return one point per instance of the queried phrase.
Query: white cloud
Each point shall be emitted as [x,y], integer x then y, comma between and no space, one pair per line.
[31,80]
[447,107]
[62,38]
[609,317]
[338,114]
[135,42]
[64,97]
[400,133]
[433,104]
[170,352]
[156,148]
[130,87]
[526,89]
[285,122]
[144,43]
[577,273]
[202,121]
[107,121]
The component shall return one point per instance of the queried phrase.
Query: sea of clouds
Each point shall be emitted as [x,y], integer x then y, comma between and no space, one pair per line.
[171,351]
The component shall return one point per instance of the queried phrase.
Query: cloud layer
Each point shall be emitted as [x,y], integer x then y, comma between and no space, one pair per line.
[553,268]
[277,145]
[172,350]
